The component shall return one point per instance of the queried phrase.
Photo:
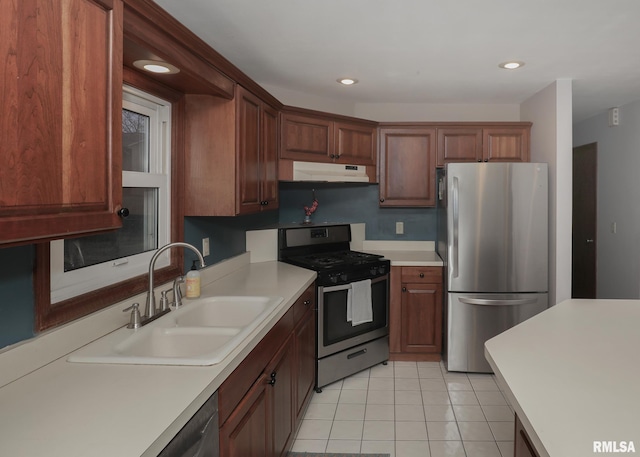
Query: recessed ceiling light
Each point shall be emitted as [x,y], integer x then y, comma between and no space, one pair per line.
[155,66]
[347,81]
[511,65]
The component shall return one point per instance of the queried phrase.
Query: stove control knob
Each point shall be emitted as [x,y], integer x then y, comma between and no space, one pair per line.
[333,278]
[382,269]
[343,276]
[373,270]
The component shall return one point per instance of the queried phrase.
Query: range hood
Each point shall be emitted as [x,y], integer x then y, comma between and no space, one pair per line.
[329,172]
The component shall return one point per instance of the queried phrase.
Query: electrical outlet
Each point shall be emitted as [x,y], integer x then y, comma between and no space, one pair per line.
[399,228]
[205,247]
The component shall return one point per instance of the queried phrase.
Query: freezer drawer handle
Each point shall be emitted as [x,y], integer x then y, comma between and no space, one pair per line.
[488,302]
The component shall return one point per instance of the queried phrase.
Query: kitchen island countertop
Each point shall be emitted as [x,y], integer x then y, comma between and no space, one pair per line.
[572,375]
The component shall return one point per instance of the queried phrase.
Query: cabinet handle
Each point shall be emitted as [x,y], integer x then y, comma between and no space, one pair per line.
[382,200]
[272,381]
[486,160]
[479,160]
[123,212]
[422,275]
[333,156]
[307,302]
[404,289]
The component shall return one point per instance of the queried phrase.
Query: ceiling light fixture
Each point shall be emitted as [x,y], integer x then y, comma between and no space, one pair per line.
[512,65]
[155,66]
[347,81]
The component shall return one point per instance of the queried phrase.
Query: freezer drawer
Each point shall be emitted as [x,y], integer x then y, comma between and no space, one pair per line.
[472,319]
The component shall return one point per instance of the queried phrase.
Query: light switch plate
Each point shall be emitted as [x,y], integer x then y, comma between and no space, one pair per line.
[399,228]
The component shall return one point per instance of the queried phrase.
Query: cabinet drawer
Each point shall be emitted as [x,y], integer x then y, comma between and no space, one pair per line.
[301,306]
[427,275]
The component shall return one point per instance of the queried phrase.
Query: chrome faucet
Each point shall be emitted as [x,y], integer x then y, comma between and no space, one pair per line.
[150,309]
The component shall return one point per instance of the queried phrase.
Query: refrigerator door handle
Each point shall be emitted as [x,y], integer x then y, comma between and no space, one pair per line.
[455,195]
[489,302]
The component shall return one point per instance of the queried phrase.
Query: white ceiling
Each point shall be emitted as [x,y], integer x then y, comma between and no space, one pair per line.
[428,51]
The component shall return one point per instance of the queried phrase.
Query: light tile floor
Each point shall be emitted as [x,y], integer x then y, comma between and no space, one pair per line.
[410,409]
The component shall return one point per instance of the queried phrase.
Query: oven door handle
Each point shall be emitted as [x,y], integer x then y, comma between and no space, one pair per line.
[348,285]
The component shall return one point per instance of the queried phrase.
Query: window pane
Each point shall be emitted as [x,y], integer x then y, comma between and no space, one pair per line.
[135,141]
[139,233]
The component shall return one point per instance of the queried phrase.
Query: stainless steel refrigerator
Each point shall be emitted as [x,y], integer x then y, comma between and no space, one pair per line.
[493,238]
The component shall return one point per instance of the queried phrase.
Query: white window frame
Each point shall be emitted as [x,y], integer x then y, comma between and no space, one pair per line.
[65,285]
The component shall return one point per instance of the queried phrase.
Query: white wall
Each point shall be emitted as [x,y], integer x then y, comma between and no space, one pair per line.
[397,112]
[432,112]
[618,255]
[310,101]
[551,142]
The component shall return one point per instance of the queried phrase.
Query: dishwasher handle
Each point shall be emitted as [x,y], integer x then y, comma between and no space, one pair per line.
[498,302]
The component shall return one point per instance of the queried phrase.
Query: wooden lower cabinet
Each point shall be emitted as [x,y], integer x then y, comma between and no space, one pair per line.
[305,344]
[416,313]
[246,433]
[280,394]
[261,420]
[522,445]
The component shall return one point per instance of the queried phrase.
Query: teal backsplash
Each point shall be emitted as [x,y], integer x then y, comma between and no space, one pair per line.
[341,203]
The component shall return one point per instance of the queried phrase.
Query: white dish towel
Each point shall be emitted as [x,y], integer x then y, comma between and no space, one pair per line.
[359,307]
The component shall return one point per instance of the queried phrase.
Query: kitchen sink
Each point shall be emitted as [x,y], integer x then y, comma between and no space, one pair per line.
[201,332]
[224,311]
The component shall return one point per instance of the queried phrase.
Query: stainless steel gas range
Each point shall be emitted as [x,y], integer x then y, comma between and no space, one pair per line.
[352,299]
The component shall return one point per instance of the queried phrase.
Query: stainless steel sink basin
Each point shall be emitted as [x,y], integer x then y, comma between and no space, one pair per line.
[202,332]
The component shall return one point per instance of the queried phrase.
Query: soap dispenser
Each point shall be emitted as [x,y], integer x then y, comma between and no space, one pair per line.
[193,282]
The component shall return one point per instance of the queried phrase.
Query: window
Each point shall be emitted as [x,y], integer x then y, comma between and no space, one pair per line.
[80,265]
[75,277]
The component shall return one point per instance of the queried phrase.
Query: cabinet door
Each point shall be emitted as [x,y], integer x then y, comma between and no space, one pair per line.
[506,144]
[407,167]
[61,103]
[269,158]
[247,431]
[421,318]
[249,174]
[459,144]
[306,138]
[305,335]
[355,144]
[280,373]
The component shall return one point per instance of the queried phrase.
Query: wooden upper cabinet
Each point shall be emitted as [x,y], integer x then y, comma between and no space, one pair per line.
[230,155]
[355,143]
[61,105]
[323,137]
[459,144]
[505,142]
[407,166]
[306,138]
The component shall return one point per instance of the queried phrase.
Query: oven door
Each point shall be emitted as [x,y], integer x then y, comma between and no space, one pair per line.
[335,333]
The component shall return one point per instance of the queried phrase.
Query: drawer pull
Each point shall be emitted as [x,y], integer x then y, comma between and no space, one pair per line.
[422,275]
[307,302]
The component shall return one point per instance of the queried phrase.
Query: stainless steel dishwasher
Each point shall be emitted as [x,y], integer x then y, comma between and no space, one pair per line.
[200,436]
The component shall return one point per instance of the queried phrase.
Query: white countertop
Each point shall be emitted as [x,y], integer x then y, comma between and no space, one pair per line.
[75,409]
[572,374]
[405,253]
